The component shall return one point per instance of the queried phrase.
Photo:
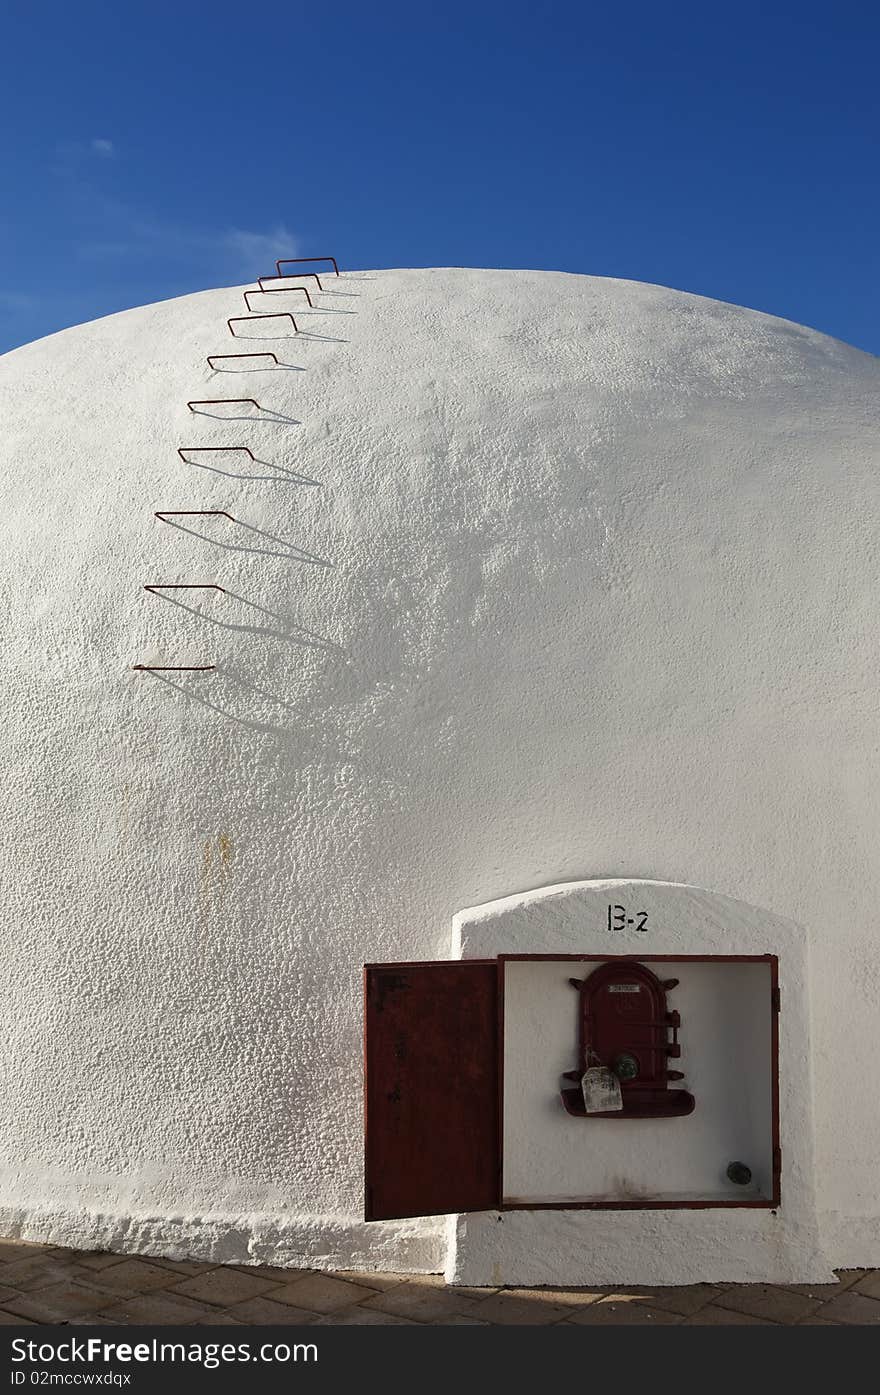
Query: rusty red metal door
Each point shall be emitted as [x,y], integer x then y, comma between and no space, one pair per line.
[432,1138]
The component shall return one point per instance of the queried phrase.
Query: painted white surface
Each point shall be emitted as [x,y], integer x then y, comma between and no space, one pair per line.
[782,1245]
[601,598]
[725,1037]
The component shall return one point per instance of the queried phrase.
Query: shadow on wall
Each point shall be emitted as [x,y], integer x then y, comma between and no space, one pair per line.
[264,414]
[303,333]
[226,684]
[292,553]
[284,475]
[222,690]
[283,367]
[286,629]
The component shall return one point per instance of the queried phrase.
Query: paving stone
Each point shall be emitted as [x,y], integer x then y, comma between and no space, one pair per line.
[160,1307]
[765,1301]
[505,1308]
[610,1313]
[362,1317]
[51,1284]
[57,1303]
[133,1276]
[421,1302]
[683,1298]
[224,1287]
[99,1259]
[322,1293]
[19,1249]
[276,1272]
[94,1320]
[184,1267]
[465,1292]
[37,1272]
[379,1282]
[822,1292]
[262,1311]
[458,1321]
[566,1297]
[713,1316]
[852,1307]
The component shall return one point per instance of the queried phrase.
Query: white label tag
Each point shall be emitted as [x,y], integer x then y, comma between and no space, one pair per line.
[623,988]
[601,1089]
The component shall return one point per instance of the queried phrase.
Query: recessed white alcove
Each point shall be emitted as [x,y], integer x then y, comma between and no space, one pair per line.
[550,1157]
[661,1165]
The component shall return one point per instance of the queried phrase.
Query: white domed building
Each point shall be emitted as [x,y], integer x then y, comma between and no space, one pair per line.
[514,619]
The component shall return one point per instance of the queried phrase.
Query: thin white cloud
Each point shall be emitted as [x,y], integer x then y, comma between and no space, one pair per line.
[255,249]
[110,229]
[237,253]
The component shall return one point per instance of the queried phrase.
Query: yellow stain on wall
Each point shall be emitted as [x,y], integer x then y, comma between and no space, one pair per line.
[224,849]
[216,870]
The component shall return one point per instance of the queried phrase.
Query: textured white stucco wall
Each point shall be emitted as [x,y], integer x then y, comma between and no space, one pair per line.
[586,586]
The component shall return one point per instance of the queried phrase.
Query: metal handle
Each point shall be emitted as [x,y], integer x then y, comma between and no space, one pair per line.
[224,357]
[246,320]
[279,290]
[302,275]
[294,261]
[276,289]
[165,514]
[196,449]
[222,401]
[184,586]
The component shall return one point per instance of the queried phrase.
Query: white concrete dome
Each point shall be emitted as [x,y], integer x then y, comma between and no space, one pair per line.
[533,578]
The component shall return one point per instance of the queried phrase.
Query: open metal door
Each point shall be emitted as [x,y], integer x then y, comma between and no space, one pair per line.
[431,1088]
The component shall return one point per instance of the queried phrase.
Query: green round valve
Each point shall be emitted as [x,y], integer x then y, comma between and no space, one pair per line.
[625,1066]
[738,1173]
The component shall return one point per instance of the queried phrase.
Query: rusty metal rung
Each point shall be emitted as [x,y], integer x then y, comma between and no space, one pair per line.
[184,586]
[164,514]
[174,668]
[194,450]
[264,354]
[279,290]
[246,319]
[276,290]
[222,401]
[294,261]
[300,275]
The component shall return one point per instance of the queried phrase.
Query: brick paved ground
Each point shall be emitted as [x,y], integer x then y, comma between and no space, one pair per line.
[45,1284]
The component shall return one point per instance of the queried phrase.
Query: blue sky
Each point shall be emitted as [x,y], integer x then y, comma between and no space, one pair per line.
[727,149]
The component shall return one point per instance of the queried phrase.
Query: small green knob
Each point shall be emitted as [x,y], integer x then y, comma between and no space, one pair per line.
[625,1066]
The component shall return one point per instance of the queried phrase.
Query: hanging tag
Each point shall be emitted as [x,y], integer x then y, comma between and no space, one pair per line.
[601,1089]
